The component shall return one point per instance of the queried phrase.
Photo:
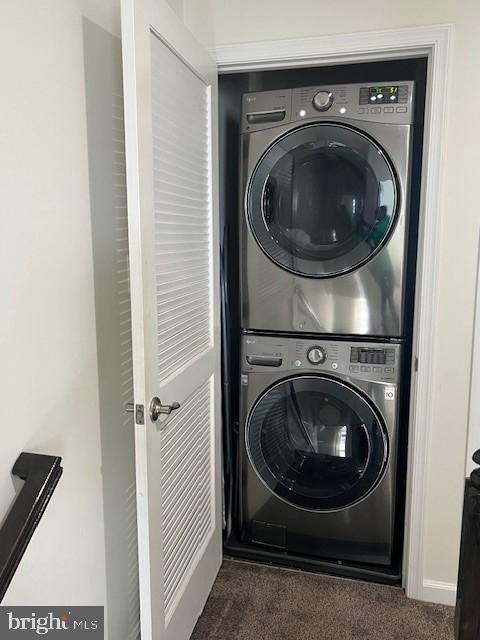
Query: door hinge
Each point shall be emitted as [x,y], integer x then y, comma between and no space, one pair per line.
[416,364]
[139,411]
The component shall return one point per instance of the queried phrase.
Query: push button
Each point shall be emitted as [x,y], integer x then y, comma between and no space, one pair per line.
[401,109]
[377,369]
[389,110]
[365,369]
[354,367]
[376,110]
[389,369]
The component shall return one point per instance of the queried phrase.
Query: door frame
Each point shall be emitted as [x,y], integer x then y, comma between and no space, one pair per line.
[435,42]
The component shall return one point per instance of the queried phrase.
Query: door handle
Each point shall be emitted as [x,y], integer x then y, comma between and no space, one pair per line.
[157,408]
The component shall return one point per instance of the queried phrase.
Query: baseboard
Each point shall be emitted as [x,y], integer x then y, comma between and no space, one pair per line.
[439,592]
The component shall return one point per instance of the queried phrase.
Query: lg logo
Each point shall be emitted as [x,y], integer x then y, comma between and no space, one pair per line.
[389,393]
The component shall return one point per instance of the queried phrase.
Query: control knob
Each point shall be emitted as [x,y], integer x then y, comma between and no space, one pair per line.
[323,100]
[316,355]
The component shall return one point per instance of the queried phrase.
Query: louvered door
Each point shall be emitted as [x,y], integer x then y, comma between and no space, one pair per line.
[170,115]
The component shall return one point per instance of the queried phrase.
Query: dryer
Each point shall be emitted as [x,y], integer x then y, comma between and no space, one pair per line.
[318,447]
[324,208]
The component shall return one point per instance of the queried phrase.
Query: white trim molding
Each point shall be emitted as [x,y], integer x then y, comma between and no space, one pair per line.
[440,592]
[333,49]
[434,42]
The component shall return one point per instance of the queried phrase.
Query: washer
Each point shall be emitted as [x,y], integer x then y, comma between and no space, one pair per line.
[318,447]
[324,208]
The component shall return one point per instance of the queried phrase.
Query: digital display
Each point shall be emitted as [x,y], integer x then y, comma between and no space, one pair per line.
[384,90]
[384,94]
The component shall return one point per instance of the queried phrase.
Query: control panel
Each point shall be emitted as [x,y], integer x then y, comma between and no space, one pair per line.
[388,102]
[369,361]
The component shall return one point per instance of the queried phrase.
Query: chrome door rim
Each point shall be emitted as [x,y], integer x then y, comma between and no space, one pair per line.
[255,231]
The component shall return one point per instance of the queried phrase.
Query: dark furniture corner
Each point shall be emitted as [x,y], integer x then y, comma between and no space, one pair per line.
[467,613]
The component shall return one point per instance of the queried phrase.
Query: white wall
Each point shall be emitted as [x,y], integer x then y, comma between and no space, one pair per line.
[47,321]
[63,264]
[177,6]
[227,21]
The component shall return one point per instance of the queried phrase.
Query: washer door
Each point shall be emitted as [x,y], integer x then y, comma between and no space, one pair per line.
[316,443]
[322,200]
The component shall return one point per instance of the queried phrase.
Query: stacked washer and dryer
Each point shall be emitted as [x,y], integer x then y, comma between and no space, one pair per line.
[324,216]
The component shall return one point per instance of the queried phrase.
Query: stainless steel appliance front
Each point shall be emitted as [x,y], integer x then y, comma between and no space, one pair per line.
[318,446]
[324,209]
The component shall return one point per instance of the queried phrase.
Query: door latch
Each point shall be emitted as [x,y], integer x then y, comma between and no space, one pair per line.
[139,410]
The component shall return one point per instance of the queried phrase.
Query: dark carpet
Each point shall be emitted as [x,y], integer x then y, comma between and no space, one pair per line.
[254,602]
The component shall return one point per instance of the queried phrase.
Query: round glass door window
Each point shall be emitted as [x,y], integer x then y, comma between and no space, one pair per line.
[316,443]
[322,200]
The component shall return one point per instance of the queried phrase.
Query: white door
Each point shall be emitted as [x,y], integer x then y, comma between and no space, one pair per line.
[170,87]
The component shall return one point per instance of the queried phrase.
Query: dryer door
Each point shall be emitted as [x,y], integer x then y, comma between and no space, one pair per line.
[316,443]
[322,200]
